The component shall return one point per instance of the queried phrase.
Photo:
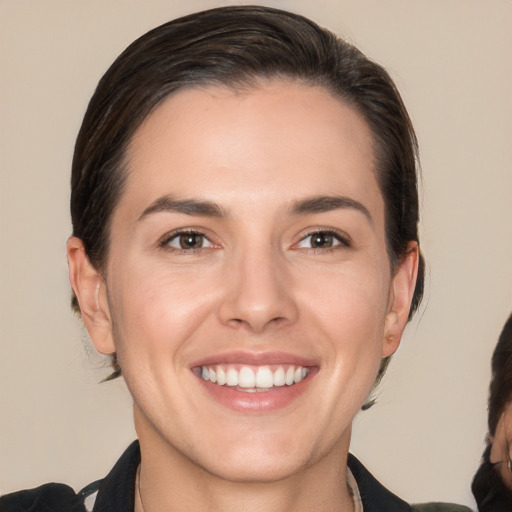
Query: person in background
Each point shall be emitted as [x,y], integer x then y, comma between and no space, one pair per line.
[492,484]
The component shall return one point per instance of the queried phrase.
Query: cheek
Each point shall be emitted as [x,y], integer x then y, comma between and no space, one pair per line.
[155,311]
[350,301]
[501,444]
[350,309]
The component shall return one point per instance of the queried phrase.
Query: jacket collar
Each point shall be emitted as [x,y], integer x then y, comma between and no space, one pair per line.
[117,490]
[375,497]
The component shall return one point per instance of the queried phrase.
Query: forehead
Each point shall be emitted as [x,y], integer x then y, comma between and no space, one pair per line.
[281,138]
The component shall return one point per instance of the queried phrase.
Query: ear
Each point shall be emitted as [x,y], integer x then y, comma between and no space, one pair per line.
[90,290]
[400,297]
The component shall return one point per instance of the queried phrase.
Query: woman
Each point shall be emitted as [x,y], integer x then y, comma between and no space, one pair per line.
[492,485]
[245,247]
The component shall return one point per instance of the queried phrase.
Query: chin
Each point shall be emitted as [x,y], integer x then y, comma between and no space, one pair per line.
[256,468]
[261,457]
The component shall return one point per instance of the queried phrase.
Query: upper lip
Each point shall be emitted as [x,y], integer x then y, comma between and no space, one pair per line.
[254,359]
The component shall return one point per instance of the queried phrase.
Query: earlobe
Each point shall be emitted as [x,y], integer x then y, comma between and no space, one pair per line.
[401,294]
[89,287]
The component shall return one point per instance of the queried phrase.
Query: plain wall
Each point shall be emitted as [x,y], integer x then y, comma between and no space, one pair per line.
[451,61]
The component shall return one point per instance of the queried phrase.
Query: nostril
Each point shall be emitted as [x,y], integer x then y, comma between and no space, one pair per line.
[278,320]
[257,308]
[254,325]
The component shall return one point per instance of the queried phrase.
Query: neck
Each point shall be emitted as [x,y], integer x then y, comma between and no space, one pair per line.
[168,481]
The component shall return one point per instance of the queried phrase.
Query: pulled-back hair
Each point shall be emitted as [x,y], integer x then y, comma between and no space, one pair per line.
[239,47]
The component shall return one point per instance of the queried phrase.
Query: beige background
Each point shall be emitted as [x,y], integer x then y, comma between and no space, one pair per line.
[451,60]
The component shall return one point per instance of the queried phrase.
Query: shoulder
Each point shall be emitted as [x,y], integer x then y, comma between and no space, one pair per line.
[46,498]
[376,497]
[114,493]
[439,507]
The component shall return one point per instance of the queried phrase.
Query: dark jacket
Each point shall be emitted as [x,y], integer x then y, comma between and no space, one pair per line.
[117,490]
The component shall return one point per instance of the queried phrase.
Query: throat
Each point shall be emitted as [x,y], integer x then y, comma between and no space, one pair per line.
[226,496]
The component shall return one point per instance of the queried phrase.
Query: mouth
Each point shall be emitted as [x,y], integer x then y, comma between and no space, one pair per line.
[253,379]
[255,383]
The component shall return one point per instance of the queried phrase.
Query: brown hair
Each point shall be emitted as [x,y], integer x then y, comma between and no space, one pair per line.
[235,47]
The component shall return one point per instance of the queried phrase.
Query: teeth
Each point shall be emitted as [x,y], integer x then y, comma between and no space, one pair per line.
[279,377]
[252,378]
[289,376]
[246,378]
[264,378]
[232,377]
[221,376]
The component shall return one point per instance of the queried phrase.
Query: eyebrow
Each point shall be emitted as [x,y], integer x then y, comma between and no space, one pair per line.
[186,206]
[320,204]
[200,208]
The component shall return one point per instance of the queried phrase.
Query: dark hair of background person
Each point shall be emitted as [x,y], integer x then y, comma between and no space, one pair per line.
[239,47]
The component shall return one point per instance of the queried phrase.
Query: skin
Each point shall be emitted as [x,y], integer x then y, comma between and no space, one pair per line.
[500,449]
[257,285]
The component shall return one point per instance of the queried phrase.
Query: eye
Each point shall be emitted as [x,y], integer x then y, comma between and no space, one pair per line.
[322,239]
[187,241]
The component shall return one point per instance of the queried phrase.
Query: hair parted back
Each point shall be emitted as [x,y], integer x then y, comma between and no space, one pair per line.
[238,47]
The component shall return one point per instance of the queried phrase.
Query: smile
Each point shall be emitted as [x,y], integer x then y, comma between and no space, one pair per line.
[253,378]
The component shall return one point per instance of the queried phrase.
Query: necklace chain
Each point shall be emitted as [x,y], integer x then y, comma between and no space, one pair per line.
[138,497]
[356,503]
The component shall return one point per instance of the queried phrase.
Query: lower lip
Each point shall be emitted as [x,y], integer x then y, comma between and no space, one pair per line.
[259,401]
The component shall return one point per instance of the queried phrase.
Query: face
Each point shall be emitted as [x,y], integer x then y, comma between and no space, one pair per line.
[500,448]
[248,293]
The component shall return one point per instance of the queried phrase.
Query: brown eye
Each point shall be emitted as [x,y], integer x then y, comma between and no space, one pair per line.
[191,241]
[322,240]
[187,241]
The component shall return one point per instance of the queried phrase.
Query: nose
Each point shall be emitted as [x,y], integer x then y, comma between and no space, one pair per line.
[258,293]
